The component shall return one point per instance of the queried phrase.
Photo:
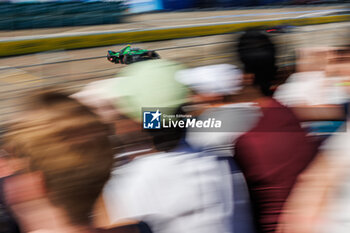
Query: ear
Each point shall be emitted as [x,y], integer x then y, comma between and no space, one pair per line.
[24,187]
[248,79]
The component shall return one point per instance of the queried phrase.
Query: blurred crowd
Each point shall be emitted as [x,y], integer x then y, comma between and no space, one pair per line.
[84,163]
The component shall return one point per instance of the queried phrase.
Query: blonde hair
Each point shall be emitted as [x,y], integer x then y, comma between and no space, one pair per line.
[69,145]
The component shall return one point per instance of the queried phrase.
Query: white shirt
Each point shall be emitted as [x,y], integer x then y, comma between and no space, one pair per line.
[174,192]
[311,88]
[236,119]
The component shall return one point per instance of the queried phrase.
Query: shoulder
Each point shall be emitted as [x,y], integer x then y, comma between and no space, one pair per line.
[140,227]
[154,165]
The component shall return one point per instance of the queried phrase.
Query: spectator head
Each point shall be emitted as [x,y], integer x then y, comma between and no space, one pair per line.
[257,53]
[100,101]
[150,84]
[64,156]
[213,83]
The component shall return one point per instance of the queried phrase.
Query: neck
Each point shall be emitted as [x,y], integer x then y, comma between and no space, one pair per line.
[249,94]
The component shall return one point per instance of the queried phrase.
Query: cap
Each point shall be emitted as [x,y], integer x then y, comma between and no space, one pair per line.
[222,79]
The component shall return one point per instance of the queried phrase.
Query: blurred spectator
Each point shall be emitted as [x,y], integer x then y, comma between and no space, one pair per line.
[64,158]
[311,89]
[168,184]
[316,92]
[276,150]
[319,202]
[100,101]
[317,83]
[215,89]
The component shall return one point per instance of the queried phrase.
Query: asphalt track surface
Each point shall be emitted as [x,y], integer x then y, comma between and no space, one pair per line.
[73,69]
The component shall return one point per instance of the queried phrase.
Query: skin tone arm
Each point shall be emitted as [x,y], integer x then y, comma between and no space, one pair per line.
[304,207]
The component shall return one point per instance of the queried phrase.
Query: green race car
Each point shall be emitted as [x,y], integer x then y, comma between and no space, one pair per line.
[130,55]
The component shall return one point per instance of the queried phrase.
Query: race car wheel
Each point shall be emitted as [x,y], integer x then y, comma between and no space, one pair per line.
[127,59]
[155,55]
[121,59]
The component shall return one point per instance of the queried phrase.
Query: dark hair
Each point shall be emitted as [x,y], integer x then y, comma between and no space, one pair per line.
[167,139]
[257,53]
